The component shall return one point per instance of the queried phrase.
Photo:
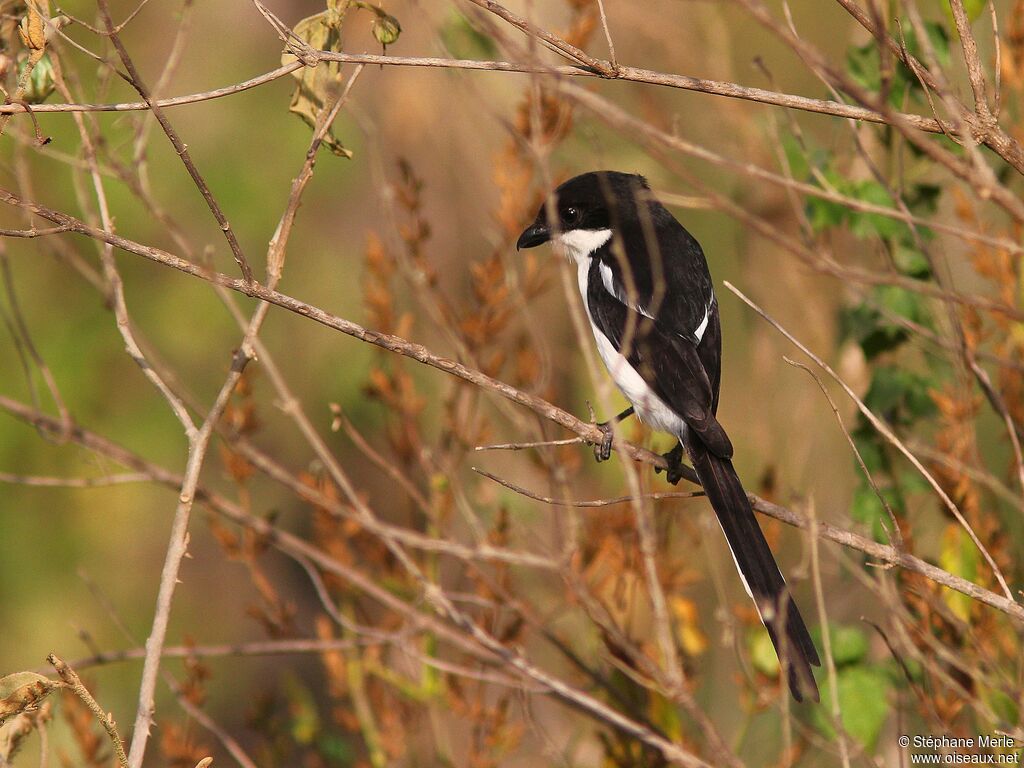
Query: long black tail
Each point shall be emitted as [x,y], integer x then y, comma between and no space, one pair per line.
[757,567]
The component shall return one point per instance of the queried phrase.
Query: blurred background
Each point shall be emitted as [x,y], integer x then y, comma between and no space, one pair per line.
[414,235]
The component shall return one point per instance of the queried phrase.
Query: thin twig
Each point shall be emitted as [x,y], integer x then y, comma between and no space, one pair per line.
[826,638]
[135,106]
[629,74]
[179,146]
[74,682]
[975,70]
[253,648]
[999,405]
[896,533]
[177,548]
[74,482]
[113,284]
[607,34]
[23,340]
[600,67]
[592,503]
[525,446]
[28,233]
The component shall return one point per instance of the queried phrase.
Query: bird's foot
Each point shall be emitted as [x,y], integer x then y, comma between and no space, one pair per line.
[674,472]
[603,449]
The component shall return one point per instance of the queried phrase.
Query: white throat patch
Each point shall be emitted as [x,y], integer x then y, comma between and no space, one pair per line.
[580,243]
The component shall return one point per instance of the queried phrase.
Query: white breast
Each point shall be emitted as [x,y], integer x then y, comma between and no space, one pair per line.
[650,408]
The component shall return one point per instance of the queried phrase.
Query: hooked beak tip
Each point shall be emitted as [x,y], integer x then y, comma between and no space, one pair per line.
[533,236]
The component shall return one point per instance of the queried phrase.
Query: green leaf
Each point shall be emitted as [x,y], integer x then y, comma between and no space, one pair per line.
[870,224]
[386,29]
[863,65]
[911,481]
[959,556]
[863,704]
[870,449]
[466,42]
[41,82]
[902,675]
[912,263]
[1005,706]
[867,508]
[899,396]
[974,9]
[899,301]
[849,643]
[796,157]
[762,652]
[923,199]
[824,214]
[336,749]
[865,325]
[939,38]
[304,716]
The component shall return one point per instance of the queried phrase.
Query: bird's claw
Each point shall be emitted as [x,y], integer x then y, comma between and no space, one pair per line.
[674,471]
[603,449]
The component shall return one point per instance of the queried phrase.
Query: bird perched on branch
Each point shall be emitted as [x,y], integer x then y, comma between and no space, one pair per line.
[651,304]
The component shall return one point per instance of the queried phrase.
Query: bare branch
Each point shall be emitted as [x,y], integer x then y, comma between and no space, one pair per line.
[975,69]
[74,682]
[587,431]
[74,482]
[896,533]
[587,504]
[629,74]
[179,146]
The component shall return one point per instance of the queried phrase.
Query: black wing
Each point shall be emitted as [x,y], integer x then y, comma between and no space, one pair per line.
[670,364]
[656,267]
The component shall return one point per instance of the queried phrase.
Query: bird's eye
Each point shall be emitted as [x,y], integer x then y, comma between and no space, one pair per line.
[571,215]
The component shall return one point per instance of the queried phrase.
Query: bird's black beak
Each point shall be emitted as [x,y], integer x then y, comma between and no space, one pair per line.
[534,235]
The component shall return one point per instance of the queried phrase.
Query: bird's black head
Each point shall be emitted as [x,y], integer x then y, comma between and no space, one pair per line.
[590,202]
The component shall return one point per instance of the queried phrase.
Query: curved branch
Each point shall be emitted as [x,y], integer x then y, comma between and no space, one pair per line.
[630,74]
[588,431]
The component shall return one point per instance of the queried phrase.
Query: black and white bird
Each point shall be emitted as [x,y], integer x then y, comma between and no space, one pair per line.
[651,304]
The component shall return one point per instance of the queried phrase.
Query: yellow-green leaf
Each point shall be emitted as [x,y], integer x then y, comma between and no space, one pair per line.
[959,556]
[386,28]
[973,8]
[762,652]
[863,704]
[320,84]
[40,83]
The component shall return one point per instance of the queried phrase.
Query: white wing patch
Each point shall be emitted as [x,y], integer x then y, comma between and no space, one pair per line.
[608,279]
[699,333]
